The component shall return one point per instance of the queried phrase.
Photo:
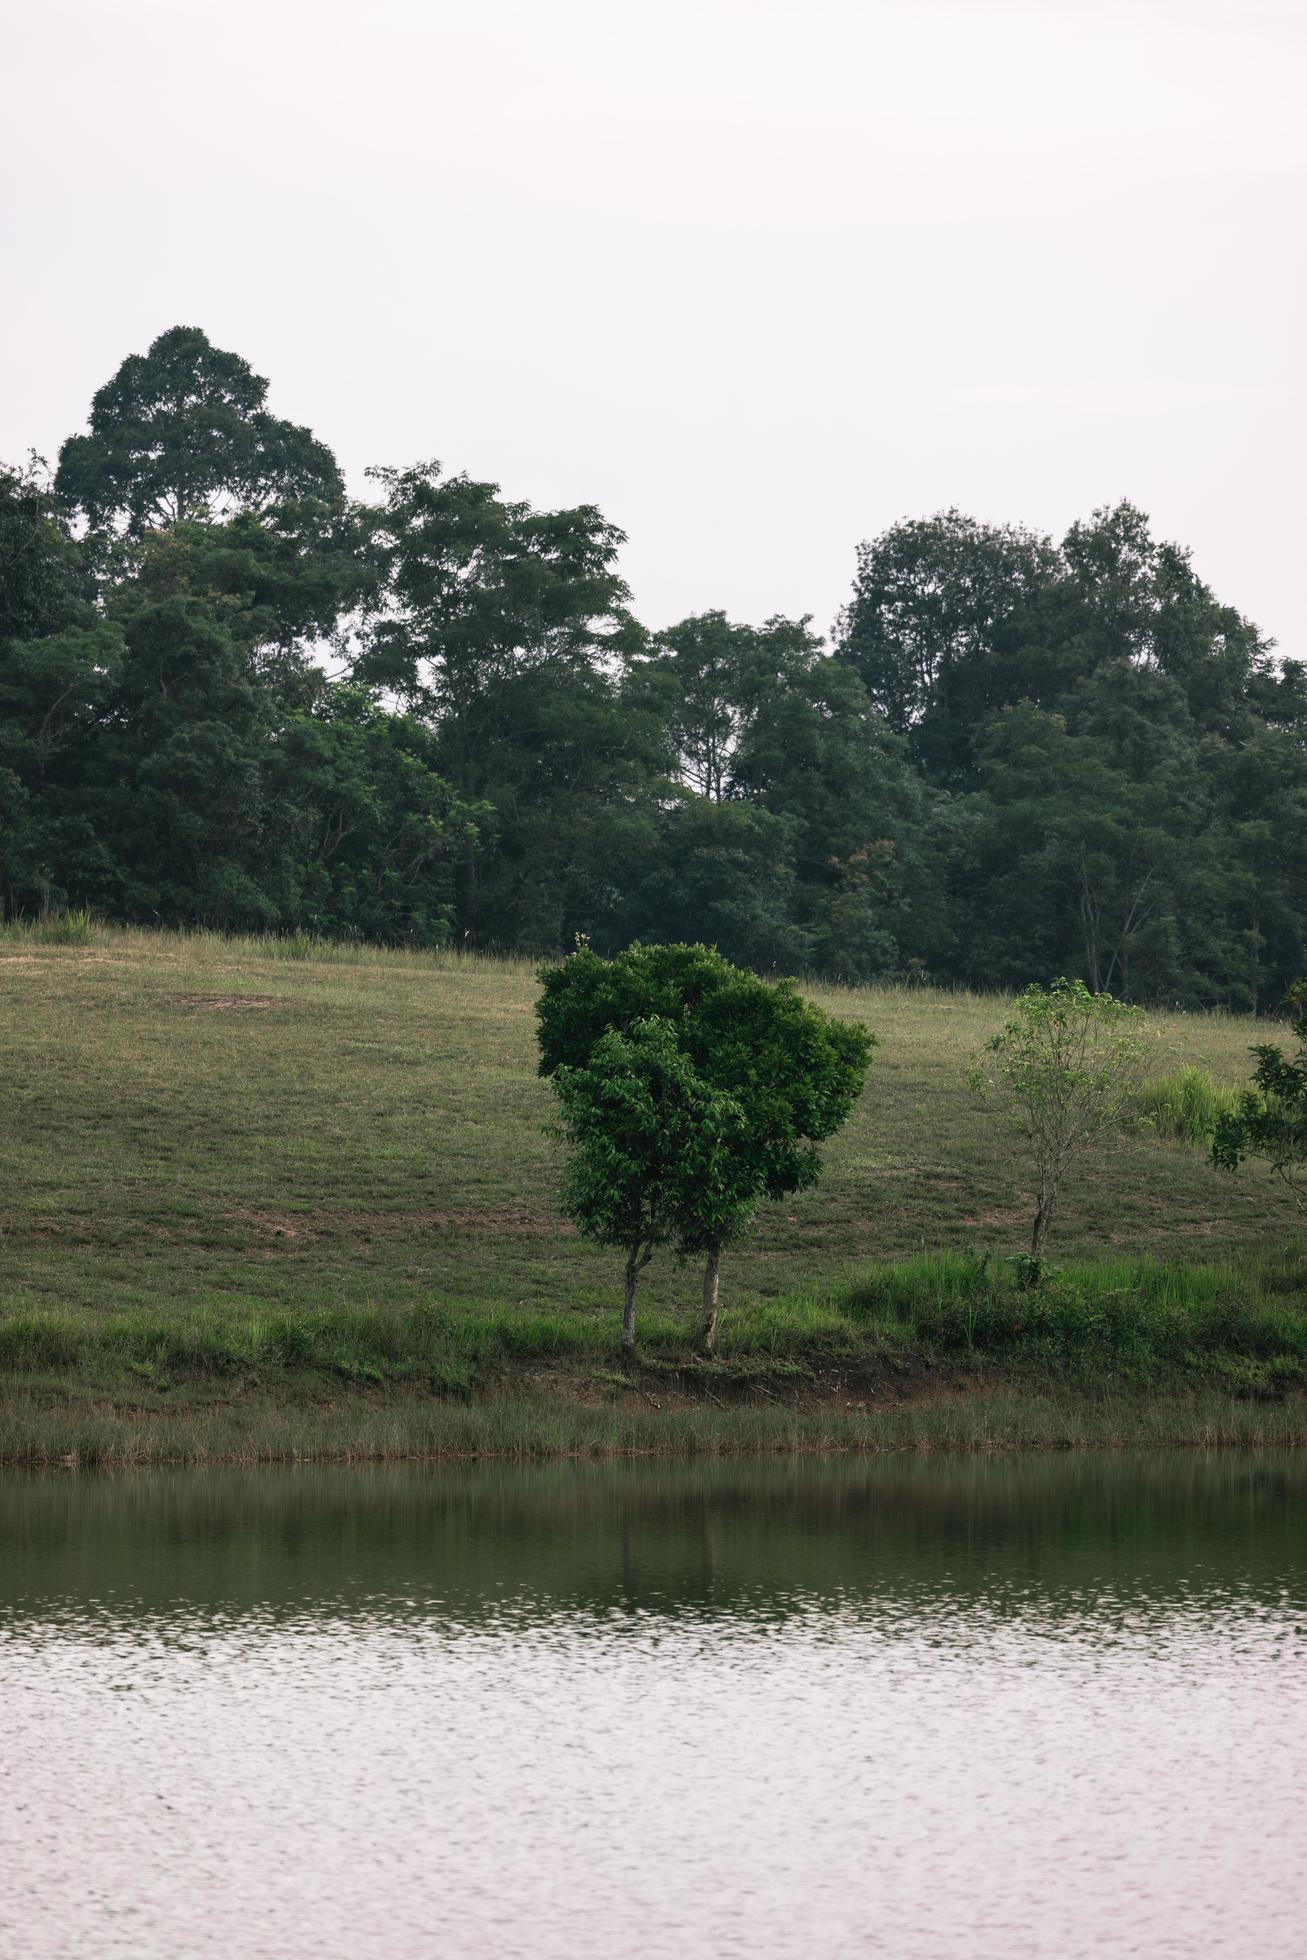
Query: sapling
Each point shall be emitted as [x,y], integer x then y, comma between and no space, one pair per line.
[1066,1064]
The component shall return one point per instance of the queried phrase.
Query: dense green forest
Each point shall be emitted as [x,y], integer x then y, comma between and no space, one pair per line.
[231,696]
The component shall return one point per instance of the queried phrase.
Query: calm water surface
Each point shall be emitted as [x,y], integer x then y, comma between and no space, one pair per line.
[927,1710]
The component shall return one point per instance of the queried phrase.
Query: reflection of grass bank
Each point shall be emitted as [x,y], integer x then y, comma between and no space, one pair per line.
[943,1353]
[458,1544]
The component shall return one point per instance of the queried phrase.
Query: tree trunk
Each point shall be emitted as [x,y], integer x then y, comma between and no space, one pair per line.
[708,1324]
[471,896]
[633,1265]
[1043,1219]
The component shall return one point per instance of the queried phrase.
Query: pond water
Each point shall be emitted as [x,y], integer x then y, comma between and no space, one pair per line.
[923,1708]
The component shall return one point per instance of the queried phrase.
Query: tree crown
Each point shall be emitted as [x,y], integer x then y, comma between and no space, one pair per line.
[794,1070]
[656,1153]
[182,432]
[1066,1062]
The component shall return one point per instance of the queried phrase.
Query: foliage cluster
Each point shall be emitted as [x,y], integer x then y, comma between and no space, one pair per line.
[231,696]
[690,1091]
[1066,1063]
[1270,1119]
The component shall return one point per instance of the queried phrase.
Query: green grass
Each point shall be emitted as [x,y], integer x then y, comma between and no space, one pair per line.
[76,928]
[1185,1107]
[536,1427]
[273,1179]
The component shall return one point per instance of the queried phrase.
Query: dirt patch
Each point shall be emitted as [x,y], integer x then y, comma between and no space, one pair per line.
[222,1003]
[275,1224]
[874,1389]
[508,1221]
[53,957]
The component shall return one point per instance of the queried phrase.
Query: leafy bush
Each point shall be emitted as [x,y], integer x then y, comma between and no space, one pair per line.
[1270,1119]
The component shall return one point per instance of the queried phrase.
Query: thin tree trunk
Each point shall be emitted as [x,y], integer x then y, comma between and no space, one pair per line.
[628,1309]
[708,1324]
[637,1258]
[1043,1219]
[471,895]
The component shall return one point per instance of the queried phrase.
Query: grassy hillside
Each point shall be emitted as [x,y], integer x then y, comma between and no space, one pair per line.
[207,1133]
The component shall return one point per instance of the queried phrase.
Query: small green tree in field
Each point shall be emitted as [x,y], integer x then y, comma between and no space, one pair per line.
[655,1155]
[1066,1064]
[792,1071]
[1270,1119]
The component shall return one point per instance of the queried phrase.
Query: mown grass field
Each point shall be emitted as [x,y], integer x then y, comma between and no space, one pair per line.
[231,1164]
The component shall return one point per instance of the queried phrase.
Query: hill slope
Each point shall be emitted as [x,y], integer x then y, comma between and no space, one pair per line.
[257,1204]
[193,1117]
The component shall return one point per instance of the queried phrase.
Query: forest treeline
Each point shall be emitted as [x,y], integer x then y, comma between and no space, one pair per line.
[230,695]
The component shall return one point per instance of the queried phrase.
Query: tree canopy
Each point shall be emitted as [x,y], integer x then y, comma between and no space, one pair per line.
[663,1039]
[182,431]
[230,694]
[655,1154]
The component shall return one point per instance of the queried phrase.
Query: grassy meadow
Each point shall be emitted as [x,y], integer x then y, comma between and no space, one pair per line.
[283,1199]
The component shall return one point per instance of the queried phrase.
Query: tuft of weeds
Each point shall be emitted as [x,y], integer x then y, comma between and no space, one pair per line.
[1184,1107]
[77,927]
[1141,1320]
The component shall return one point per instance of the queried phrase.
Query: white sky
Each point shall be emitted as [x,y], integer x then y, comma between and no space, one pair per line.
[755,276]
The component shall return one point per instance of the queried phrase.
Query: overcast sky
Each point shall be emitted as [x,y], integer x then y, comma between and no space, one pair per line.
[755,276]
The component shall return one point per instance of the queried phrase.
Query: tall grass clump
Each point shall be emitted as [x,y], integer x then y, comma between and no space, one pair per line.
[72,928]
[1242,1325]
[1184,1107]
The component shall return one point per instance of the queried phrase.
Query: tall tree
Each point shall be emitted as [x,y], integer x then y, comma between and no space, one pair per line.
[710,672]
[474,593]
[930,594]
[58,660]
[198,776]
[868,891]
[182,432]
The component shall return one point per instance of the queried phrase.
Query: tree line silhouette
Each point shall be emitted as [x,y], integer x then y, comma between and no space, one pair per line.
[231,695]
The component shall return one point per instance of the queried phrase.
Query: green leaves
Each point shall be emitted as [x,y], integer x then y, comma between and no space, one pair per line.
[473,588]
[1271,1118]
[690,1091]
[1066,1064]
[180,432]
[795,1071]
[656,1153]
[1022,757]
